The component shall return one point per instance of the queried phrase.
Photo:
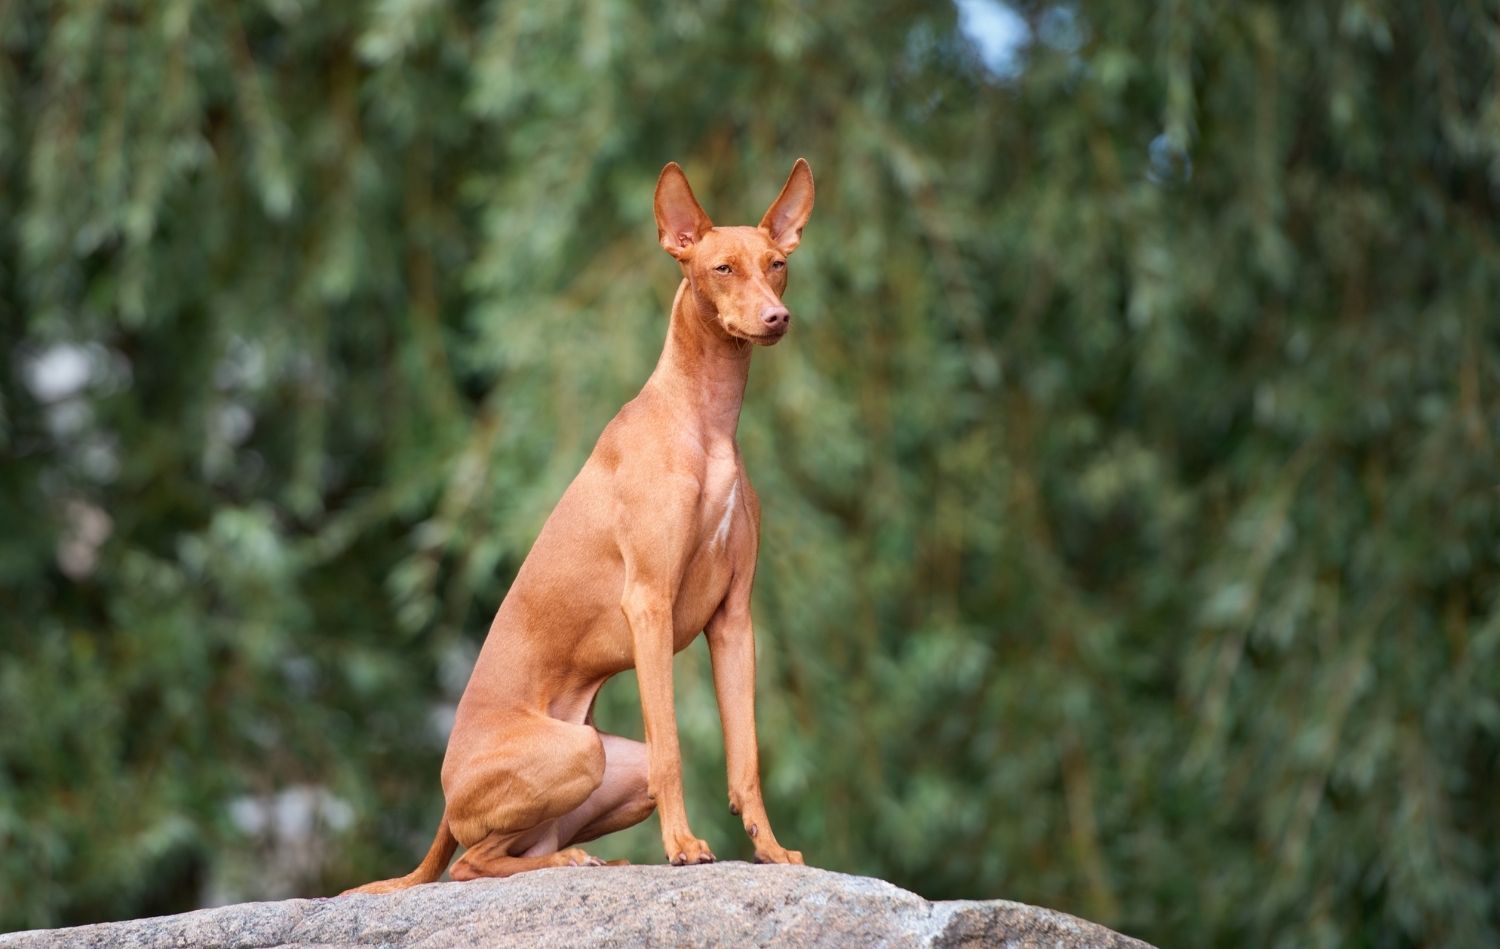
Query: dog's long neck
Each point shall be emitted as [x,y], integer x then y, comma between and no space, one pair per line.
[702,369]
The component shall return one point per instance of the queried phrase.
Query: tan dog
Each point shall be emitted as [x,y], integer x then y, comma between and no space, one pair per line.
[653,542]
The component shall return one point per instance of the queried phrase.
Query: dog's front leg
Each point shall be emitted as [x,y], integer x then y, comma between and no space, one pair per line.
[648,608]
[731,646]
[654,547]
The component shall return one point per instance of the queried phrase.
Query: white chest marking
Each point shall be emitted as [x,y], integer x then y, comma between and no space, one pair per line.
[721,534]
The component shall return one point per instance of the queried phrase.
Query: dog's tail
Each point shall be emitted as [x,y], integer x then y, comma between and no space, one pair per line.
[431,867]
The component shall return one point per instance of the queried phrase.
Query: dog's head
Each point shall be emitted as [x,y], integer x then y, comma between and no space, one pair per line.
[738,272]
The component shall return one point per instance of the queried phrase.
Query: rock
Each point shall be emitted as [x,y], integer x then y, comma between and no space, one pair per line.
[720,904]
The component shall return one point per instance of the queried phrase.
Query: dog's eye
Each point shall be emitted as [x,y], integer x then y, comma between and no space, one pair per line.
[778,265]
[723,268]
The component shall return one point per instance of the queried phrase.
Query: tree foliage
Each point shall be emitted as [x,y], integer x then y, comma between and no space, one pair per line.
[1131,519]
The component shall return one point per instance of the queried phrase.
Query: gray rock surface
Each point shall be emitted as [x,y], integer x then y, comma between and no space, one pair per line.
[724,904]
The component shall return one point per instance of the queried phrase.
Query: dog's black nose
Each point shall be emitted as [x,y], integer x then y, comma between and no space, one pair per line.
[776,316]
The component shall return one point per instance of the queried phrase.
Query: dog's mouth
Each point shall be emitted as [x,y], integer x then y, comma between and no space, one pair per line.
[770,338]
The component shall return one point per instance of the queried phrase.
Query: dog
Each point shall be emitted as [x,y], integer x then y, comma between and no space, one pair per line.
[654,542]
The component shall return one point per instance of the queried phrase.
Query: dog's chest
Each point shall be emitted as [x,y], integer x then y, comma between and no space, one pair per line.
[711,566]
[720,504]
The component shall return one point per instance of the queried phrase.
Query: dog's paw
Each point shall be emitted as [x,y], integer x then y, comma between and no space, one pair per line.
[689,850]
[775,853]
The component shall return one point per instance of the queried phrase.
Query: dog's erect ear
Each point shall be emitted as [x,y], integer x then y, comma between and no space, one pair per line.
[791,209]
[680,222]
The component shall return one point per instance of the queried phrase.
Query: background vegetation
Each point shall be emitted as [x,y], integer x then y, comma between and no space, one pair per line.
[1132,536]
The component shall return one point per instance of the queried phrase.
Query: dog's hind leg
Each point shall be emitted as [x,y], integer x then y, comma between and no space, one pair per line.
[491,858]
[621,800]
[506,795]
